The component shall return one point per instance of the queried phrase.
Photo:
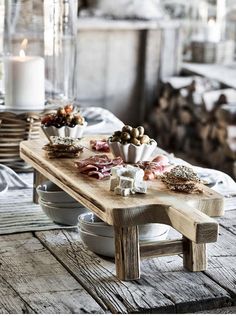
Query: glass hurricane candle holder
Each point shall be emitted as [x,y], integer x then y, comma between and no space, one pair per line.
[60,20]
[24,55]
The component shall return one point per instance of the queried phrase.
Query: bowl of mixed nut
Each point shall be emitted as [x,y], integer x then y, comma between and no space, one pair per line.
[65,122]
[132,144]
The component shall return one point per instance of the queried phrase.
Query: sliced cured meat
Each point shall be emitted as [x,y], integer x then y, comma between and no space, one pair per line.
[98,166]
[99,175]
[100,145]
[88,168]
[152,169]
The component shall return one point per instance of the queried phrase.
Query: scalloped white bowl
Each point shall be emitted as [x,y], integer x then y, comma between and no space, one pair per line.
[131,153]
[65,131]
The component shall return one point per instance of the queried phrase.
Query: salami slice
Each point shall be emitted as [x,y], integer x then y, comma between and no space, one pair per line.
[98,166]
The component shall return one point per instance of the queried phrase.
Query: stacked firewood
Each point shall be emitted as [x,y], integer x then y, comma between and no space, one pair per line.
[178,123]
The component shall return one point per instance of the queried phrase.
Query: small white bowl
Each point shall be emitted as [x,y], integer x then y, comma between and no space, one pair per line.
[65,131]
[50,192]
[91,223]
[63,215]
[105,246]
[131,153]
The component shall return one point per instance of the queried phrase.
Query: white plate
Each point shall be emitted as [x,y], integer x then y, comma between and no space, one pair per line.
[12,130]
[4,145]
[9,140]
[10,159]
[2,155]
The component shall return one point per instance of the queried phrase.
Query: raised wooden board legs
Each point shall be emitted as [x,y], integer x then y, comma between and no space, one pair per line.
[127,255]
[194,255]
[38,179]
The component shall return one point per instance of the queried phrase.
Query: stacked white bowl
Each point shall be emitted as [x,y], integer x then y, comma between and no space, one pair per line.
[98,236]
[59,205]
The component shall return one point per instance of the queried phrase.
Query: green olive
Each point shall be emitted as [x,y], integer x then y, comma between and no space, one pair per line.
[125,136]
[144,139]
[135,141]
[126,128]
[141,130]
[117,133]
[134,133]
[115,139]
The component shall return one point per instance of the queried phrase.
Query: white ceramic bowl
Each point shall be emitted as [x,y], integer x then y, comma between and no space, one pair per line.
[63,215]
[62,204]
[93,224]
[50,192]
[64,131]
[131,153]
[105,246]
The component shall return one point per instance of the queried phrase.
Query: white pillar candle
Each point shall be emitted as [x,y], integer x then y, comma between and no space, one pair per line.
[24,82]
[213,31]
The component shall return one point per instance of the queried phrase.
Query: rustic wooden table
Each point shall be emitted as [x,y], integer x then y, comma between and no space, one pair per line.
[52,272]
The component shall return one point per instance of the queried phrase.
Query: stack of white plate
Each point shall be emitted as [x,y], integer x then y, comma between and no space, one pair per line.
[13,129]
[98,236]
[59,205]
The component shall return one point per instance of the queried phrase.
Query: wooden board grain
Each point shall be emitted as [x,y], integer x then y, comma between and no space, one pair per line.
[36,282]
[165,285]
[182,211]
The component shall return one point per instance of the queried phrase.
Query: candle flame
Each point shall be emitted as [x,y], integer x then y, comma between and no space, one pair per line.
[23,47]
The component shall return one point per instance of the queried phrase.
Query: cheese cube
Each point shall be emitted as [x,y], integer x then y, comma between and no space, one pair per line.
[140,187]
[122,191]
[117,171]
[114,182]
[125,192]
[135,173]
[126,182]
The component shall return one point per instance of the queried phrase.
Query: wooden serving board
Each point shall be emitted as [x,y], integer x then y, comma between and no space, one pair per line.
[188,213]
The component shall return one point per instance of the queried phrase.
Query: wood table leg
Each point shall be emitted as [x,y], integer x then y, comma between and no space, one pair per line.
[38,179]
[127,253]
[194,255]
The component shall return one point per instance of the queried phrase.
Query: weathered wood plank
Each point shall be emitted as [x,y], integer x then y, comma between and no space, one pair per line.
[222,254]
[164,285]
[11,302]
[39,279]
[226,310]
[222,261]
[97,276]
[229,221]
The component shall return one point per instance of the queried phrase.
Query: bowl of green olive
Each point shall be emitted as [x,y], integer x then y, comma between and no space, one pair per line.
[132,144]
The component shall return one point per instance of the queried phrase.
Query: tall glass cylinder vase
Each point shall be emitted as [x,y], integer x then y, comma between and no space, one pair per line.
[60,17]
